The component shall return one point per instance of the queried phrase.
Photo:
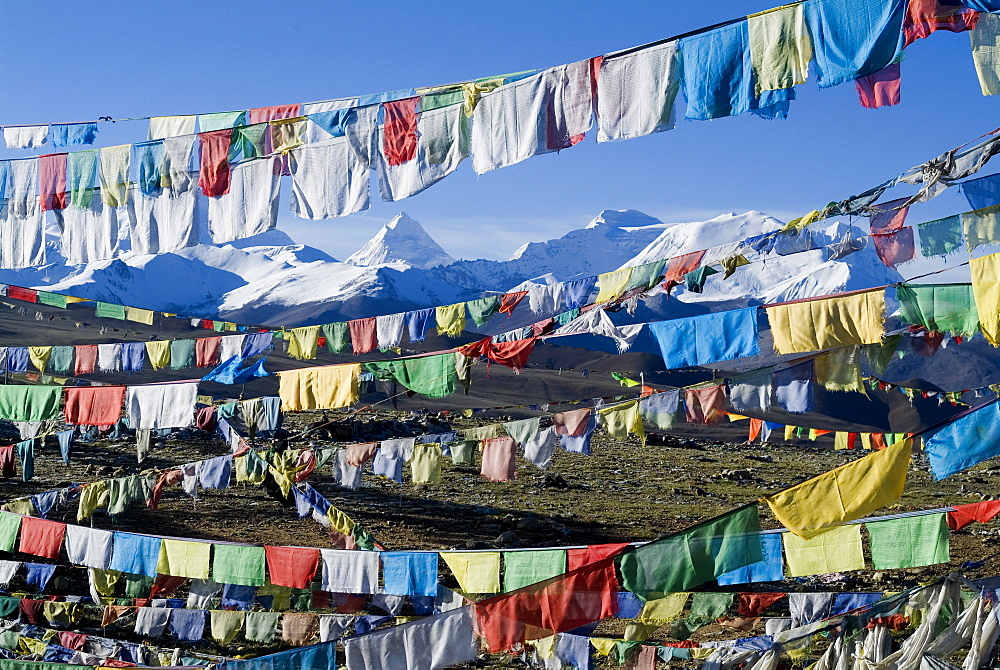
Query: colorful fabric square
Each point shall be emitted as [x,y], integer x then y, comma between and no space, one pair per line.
[694,556]
[909,542]
[329,387]
[814,325]
[945,308]
[41,537]
[410,573]
[769,569]
[292,566]
[234,564]
[986,290]
[895,248]
[845,493]
[450,319]
[709,338]
[981,226]
[940,237]
[612,285]
[880,89]
[964,442]
[476,572]
[982,192]
[985,40]
[135,554]
[780,49]
[29,403]
[10,524]
[433,376]
[837,550]
[522,568]
[854,39]
[180,558]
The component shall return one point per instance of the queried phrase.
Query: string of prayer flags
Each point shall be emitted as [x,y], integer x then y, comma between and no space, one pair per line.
[847,492]
[814,325]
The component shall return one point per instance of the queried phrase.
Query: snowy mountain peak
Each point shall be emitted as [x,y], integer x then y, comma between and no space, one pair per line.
[402,240]
[623,218]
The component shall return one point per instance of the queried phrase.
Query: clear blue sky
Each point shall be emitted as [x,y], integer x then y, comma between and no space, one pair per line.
[64,61]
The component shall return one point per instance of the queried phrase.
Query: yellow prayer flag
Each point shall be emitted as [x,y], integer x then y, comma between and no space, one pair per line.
[664,609]
[139,315]
[611,285]
[476,571]
[780,49]
[837,550]
[545,647]
[450,319]
[328,387]
[736,417]
[814,325]
[840,440]
[339,521]
[603,645]
[789,432]
[180,558]
[158,352]
[302,342]
[39,357]
[620,420]
[986,291]
[845,493]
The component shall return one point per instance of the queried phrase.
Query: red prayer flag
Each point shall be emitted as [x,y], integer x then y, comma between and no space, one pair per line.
[363,335]
[577,558]
[72,640]
[924,17]
[498,459]
[513,355]
[889,216]
[896,247]
[214,175]
[705,405]
[206,351]
[21,293]
[399,130]
[32,611]
[879,89]
[981,512]
[752,604]
[94,405]
[359,454]
[41,537]
[555,605]
[85,360]
[572,424]
[275,113]
[878,441]
[755,427]
[678,266]
[8,462]
[509,301]
[291,566]
[52,181]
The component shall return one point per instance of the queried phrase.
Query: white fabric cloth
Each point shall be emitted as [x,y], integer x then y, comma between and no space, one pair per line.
[25,137]
[806,608]
[22,242]
[232,345]
[400,448]
[349,571]
[315,132]
[89,546]
[250,207]
[164,223]
[333,626]
[344,474]
[109,357]
[877,643]
[985,40]
[752,392]
[161,405]
[442,144]
[171,126]
[912,650]
[389,330]
[201,592]
[191,478]
[532,116]
[447,599]
[636,93]
[151,621]
[438,641]
[29,430]
[539,449]
[776,625]
[91,234]
[546,299]
[597,322]
[7,571]
[984,638]
[329,179]
[176,176]
[361,133]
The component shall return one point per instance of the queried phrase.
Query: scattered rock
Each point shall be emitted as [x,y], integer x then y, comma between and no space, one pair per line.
[528,523]
[507,538]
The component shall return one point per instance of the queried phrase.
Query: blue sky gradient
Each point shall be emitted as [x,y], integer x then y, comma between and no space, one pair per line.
[66,61]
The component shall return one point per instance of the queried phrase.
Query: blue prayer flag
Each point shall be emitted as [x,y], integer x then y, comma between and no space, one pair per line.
[964,442]
[699,340]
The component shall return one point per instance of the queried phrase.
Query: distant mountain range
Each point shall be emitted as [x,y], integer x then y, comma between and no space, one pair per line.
[271,280]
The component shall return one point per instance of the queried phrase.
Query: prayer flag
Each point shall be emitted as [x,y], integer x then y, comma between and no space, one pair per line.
[837,550]
[909,542]
[824,323]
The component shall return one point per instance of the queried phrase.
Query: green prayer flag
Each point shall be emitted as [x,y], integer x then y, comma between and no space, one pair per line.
[10,524]
[52,299]
[647,275]
[940,237]
[432,376]
[948,308]
[137,586]
[61,359]
[233,564]
[481,310]
[521,568]
[711,605]
[624,650]
[694,556]
[301,600]
[261,626]
[8,639]
[909,542]
[439,99]
[181,354]
[338,338]
[247,141]
[524,430]
[29,403]
[81,172]
[109,311]
[220,120]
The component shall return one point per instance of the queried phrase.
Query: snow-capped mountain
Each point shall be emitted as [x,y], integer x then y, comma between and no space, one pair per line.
[270,280]
[402,240]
